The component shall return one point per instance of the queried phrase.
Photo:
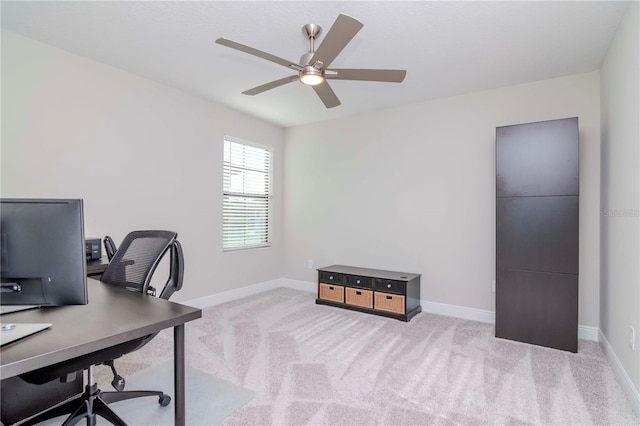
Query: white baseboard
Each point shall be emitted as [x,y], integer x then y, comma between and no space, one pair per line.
[229,295]
[587,332]
[458,311]
[473,314]
[623,378]
[299,285]
[584,331]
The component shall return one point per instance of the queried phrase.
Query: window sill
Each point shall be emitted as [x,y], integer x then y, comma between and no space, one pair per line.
[248,248]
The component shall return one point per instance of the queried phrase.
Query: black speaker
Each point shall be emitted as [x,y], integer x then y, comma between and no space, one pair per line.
[94,248]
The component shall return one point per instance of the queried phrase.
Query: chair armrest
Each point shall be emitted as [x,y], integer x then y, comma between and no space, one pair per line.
[176,271]
[109,247]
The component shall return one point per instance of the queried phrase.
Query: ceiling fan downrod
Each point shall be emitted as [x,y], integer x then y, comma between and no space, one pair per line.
[311,31]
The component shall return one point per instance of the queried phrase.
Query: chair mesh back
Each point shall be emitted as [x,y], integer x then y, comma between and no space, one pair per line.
[136,259]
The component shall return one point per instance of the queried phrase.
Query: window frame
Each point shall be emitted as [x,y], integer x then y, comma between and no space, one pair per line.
[269,195]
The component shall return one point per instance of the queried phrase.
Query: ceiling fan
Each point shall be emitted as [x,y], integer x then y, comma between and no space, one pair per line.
[313,68]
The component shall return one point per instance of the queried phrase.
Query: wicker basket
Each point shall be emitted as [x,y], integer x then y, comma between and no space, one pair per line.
[359,297]
[332,292]
[389,302]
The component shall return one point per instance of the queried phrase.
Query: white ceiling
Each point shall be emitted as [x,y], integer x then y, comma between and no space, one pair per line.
[447,48]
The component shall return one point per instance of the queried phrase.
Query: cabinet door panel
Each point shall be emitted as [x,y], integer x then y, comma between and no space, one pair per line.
[358,281]
[391,286]
[538,308]
[537,159]
[330,277]
[537,234]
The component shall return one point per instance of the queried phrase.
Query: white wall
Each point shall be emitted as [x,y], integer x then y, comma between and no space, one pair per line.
[140,154]
[413,189]
[620,194]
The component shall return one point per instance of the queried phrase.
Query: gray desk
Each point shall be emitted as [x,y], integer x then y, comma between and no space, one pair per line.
[112,316]
[95,268]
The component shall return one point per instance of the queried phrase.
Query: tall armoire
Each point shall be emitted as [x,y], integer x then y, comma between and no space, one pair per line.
[537,199]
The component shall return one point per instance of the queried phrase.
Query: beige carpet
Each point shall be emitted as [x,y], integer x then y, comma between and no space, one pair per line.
[313,364]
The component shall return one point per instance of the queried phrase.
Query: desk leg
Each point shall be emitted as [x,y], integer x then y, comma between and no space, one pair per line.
[178,374]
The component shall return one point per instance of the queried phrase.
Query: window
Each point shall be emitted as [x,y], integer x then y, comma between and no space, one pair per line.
[246,195]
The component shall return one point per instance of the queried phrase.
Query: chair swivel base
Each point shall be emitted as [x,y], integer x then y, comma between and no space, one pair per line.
[91,403]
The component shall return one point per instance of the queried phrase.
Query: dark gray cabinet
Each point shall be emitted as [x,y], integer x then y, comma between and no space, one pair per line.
[537,202]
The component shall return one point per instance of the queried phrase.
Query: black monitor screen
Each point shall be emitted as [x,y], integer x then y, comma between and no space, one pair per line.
[42,252]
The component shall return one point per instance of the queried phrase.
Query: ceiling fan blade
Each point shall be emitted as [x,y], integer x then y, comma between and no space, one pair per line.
[339,35]
[259,53]
[326,94]
[271,85]
[391,76]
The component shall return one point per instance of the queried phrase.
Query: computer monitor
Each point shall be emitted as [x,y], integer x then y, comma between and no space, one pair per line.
[42,252]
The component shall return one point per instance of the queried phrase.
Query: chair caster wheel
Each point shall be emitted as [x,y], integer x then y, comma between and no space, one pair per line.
[164,400]
[118,383]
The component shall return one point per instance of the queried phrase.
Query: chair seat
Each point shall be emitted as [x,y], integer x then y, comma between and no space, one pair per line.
[62,369]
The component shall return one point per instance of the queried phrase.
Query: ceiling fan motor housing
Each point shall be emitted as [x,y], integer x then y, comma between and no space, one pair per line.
[305,58]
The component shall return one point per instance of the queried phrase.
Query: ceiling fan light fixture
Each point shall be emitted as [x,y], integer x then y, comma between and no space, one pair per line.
[311,77]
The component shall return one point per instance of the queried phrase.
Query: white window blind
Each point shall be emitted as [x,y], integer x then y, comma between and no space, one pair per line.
[246,195]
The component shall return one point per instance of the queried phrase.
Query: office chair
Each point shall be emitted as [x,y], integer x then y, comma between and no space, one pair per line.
[132,268]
